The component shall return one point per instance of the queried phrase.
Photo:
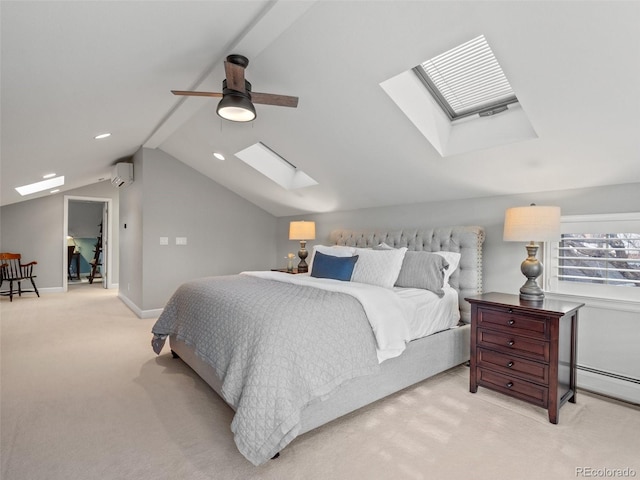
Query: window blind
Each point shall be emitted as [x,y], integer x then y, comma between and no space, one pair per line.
[600,258]
[467,79]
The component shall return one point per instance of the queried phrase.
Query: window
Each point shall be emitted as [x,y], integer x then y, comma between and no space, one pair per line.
[453,99]
[598,255]
[601,258]
[467,80]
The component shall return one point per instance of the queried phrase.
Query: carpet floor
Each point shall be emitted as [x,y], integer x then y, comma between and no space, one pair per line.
[84,397]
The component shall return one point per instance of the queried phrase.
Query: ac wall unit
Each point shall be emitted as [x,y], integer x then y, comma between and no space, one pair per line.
[122,175]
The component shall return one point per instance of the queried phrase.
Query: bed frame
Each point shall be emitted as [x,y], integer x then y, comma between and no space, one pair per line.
[423,357]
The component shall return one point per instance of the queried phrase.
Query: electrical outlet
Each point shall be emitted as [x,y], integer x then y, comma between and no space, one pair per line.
[181,240]
[164,240]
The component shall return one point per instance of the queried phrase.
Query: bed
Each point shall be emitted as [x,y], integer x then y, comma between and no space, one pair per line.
[365,357]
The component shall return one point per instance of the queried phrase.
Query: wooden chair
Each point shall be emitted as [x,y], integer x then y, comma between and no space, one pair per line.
[13,270]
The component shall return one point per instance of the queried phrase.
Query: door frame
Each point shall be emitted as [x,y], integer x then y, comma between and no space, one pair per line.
[106,237]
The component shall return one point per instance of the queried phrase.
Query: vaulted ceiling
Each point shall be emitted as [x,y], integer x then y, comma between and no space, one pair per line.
[72,70]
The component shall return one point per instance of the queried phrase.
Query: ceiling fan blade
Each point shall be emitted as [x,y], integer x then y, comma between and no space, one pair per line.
[235,76]
[274,99]
[196,94]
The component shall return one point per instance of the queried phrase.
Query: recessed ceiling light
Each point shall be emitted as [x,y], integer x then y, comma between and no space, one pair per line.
[49,175]
[40,186]
[219,156]
[102,135]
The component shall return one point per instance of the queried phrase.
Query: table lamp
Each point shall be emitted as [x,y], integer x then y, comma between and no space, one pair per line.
[533,224]
[302,231]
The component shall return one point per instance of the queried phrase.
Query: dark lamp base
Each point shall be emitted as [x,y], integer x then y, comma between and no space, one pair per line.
[302,253]
[532,269]
[531,298]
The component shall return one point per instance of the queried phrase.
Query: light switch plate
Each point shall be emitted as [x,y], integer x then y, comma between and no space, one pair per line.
[181,240]
[164,240]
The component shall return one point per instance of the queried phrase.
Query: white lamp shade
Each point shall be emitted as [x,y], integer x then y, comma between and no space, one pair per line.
[534,223]
[302,230]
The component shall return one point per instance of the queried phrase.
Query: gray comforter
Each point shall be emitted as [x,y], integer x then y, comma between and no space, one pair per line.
[276,346]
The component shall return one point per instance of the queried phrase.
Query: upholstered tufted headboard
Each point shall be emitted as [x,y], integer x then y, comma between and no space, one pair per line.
[467,279]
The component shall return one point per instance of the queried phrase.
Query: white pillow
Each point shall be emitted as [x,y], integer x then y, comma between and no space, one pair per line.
[453,258]
[333,250]
[378,267]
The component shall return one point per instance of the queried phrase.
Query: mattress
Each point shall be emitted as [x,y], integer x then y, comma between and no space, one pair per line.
[429,313]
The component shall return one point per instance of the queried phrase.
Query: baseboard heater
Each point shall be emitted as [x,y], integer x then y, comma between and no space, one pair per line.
[609,374]
[610,384]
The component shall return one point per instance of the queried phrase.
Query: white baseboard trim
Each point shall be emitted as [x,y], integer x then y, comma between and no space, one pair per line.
[143,314]
[614,387]
[50,290]
[62,290]
[155,313]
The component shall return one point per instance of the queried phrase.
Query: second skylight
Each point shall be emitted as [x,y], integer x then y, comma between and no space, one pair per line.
[273,166]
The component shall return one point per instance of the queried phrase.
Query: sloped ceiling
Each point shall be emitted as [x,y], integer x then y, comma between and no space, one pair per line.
[71,70]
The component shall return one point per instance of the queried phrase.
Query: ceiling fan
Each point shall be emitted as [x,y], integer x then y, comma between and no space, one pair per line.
[237,98]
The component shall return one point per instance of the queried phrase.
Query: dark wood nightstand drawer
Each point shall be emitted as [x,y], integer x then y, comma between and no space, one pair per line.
[513,365]
[515,387]
[514,344]
[509,320]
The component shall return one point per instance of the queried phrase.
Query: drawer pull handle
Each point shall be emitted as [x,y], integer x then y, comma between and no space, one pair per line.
[511,310]
[509,385]
[511,321]
[510,364]
[510,343]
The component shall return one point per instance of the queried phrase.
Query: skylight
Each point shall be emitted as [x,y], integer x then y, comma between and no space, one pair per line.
[40,186]
[467,80]
[484,111]
[273,166]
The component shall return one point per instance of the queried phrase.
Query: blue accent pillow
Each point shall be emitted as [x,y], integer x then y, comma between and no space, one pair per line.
[337,268]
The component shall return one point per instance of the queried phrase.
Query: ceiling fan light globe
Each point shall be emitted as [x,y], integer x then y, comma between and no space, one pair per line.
[236,108]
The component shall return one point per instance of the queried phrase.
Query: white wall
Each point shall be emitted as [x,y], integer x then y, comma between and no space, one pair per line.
[608,335]
[84,218]
[501,259]
[225,233]
[130,234]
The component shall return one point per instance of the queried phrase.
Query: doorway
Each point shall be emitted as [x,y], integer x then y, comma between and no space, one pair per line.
[87,241]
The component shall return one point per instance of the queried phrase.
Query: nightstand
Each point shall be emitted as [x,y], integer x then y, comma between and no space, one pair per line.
[284,270]
[524,349]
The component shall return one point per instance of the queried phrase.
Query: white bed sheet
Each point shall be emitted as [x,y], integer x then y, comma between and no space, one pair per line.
[429,313]
[396,315]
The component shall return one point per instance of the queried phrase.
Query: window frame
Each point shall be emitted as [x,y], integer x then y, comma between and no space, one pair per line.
[598,223]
